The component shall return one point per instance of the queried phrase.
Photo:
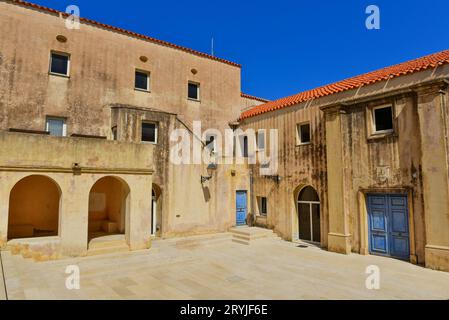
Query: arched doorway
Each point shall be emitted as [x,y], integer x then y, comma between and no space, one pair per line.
[34,208]
[156,211]
[108,207]
[309,215]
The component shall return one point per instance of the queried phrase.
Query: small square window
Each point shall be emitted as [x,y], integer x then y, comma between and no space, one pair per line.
[149,132]
[142,81]
[194,91]
[59,63]
[56,127]
[383,119]
[262,202]
[261,140]
[303,133]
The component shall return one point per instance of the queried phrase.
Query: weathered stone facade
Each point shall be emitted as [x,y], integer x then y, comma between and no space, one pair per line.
[344,162]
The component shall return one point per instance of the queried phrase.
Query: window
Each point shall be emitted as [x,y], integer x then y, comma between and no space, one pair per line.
[383,119]
[262,201]
[56,126]
[245,146]
[303,133]
[142,81]
[149,132]
[114,133]
[261,140]
[59,63]
[211,141]
[194,91]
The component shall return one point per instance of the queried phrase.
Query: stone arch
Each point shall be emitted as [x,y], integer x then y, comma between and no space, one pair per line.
[308,210]
[109,200]
[34,208]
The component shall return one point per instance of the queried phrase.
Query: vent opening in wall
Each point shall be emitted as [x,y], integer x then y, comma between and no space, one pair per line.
[143,59]
[194,71]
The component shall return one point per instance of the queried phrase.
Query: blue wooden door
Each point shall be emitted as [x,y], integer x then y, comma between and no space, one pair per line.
[242,208]
[388,225]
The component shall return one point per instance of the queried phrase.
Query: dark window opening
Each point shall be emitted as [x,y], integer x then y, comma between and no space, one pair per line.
[263,206]
[149,132]
[142,81]
[59,64]
[383,118]
[304,133]
[114,133]
[193,91]
[245,147]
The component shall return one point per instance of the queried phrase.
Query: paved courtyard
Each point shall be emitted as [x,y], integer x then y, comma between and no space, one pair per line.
[266,269]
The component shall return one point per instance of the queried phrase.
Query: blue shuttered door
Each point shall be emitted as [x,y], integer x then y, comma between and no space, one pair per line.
[241,203]
[388,225]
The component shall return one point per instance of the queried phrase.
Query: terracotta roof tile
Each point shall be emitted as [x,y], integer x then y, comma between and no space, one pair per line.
[126,32]
[420,64]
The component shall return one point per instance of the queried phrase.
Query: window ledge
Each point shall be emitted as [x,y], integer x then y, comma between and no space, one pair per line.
[382,135]
[149,142]
[142,90]
[303,144]
[194,100]
[59,75]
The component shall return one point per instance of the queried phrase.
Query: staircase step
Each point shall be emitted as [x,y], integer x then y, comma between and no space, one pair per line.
[245,235]
[107,250]
[241,241]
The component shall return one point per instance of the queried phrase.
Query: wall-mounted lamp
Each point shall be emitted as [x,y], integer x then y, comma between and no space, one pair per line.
[210,169]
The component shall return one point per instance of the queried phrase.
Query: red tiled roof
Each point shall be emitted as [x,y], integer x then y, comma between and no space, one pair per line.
[126,32]
[420,64]
[248,96]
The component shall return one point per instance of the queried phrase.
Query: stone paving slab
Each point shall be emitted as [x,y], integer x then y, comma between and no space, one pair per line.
[266,269]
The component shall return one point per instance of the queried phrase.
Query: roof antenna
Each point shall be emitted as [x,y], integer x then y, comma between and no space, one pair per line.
[212,47]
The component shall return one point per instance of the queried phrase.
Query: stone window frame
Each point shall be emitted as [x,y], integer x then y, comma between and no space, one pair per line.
[69,62]
[64,124]
[148,74]
[299,141]
[262,132]
[371,124]
[259,206]
[156,136]
[198,88]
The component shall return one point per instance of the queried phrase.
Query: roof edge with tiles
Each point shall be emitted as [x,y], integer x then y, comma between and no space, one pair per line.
[430,61]
[248,96]
[123,31]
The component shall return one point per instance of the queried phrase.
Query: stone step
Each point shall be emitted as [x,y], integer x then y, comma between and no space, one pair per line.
[193,241]
[108,250]
[245,242]
[107,242]
[245,235]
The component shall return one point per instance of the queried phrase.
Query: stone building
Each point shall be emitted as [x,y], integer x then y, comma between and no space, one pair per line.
[86,140]
[364,163]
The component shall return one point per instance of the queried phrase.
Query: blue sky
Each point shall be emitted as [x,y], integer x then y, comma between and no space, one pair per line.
[284,46]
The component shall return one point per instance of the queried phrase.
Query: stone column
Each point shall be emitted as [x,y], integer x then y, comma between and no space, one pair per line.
[338,237]
[74,214]
[433,128]
[139,212]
